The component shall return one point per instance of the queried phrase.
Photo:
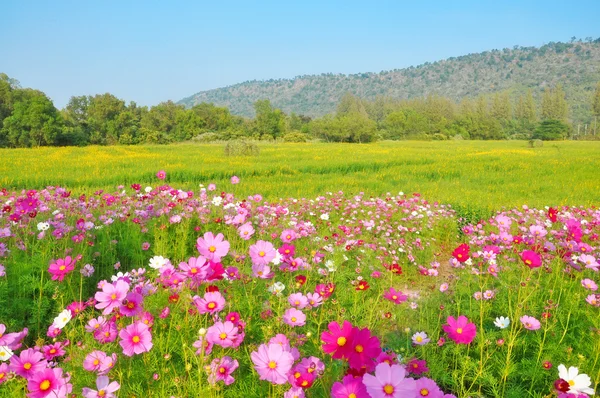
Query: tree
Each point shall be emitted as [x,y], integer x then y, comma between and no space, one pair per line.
[596,106]
[7,87]
[34,121]
[269,121]
[554,104]
[551,130]
[350,104]
[103,110]
[525,109]
[501,107]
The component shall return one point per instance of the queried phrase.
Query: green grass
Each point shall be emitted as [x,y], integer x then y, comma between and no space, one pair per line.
[474,176]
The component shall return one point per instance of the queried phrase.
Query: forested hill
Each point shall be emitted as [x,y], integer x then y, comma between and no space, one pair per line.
[575,65]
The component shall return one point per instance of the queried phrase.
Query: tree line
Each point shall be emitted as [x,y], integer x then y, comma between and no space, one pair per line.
[29,118]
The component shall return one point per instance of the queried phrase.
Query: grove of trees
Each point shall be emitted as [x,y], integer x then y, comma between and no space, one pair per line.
[28,118]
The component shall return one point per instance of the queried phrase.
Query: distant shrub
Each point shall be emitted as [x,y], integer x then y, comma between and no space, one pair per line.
[439,137]
[294,137]
[519,136]
[551,130]
[206,137]
[536,143]
[241,148]
[458,137]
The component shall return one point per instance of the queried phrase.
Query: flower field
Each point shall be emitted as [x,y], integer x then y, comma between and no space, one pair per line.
[163,289]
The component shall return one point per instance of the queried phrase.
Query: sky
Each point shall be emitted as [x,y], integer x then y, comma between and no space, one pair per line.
[152,51]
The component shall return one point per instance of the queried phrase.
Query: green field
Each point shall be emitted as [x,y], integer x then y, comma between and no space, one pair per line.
[474,176]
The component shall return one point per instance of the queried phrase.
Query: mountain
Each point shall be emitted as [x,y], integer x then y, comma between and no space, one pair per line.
[575,65]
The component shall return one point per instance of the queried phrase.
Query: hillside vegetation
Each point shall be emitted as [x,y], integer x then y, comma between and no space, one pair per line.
[575,65]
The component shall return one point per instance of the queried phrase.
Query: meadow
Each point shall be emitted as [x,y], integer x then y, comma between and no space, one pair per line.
[408,269]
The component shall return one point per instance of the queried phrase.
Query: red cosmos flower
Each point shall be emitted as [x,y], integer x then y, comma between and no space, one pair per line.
[396,269]
[363,285]
[517,239]
[552,214]
[325,290]
[461,253]
[300,280]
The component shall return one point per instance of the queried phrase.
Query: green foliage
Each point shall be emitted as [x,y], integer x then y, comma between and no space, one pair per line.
[550,130]
[294,137]
[241,148]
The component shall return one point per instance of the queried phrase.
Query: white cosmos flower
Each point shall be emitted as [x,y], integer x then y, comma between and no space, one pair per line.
[217,200]
[324,216]
[502,322]
[43,226]
[148,189]
[580,383]
[62,319]
[276,288]
[5,353]
[157,261]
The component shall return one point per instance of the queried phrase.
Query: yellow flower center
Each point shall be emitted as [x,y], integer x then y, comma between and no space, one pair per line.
[528,262]
[45,385]
[194,270]
[424,392]
[459,330]
[419,339]
[261,253]
[96,362]
[27,366]
[223,336]
[101,393]
[394,297]
[52,351]
[62,268]
[272,365]
[113,296]
[136,339]
[211,305]
[212,249]
[359,348]
[222,370]
[571,383]
[341,341]
[293,319]
[388,389]
[352,395]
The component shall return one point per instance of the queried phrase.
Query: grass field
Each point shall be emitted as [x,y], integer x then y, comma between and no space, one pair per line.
[476,176]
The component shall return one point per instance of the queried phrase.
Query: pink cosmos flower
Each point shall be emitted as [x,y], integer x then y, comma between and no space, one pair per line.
[349,387]
[135,339]
[223,334]
[93,361]
[235,180]
[460,330]
[49,383]
[337,340]
[212,247]
[589,284]
[262,253]
[262,271]
[531,259]
[246,231]
[95,324]
[3,372]
[111,296]
[389,382]
[395,296]
[221,370]
[428,388]
[106,389]
[28,363]
[211,303]
[365,349]
[55,350]
[288,236]
[132,304]
[272,363]
[61,267]
[298,300]
[420,338]
[161,175]
[530,323]
[314,299]
[108,332]
[294,317]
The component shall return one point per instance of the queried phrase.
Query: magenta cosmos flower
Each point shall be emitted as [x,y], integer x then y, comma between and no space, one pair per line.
[531,259]
[395,296]
[529,322]
[49,383]
[111,296]
[212,247]
[349,387]
[135,339]
[61,267]
[272,363]
[337,341]
[365,349]
[161,175]
[28,363]
[262,253]
[221,370]
[389,382]
[460,330]
[106,389]
[211,303]
[294,317]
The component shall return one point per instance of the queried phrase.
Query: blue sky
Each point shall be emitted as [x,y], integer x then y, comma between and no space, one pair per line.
[150,51]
